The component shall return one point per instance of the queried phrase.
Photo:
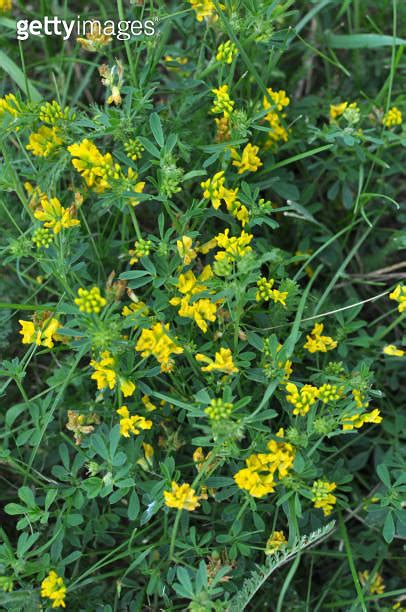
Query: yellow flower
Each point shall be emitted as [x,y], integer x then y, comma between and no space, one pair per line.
[266,293]
[234,246]
[204,9]
[223,129]
[280,101]
[226,52]
[185,250]
[200,311]
[146,462]
[131,424]
[356,421]
[322,496]
[90,300]
[96,169]
[336,110]
[359,399]
[215,190]
[127,387]
[9,104]
[156,342]
[279,98]
[223,362]
[95,39]
[350,111]
[140,308]
[53,587]
[275,541]
[222,104]
[55,216]
[248,161]
[302,400]
[399,295]
[393,351]
[104,375]
[318,343]
[376,585]
[41,333]
[392,117]
[149,406]
[44,142]
[258,477]
[182,497]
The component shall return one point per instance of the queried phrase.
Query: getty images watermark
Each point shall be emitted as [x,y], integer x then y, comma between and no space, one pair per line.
[54,26]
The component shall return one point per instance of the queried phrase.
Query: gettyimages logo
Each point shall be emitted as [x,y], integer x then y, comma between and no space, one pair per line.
[54,26]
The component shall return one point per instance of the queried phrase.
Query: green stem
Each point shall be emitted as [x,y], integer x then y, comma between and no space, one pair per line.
[126,43]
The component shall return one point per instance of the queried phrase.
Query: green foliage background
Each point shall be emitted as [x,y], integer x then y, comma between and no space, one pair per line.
[92,512]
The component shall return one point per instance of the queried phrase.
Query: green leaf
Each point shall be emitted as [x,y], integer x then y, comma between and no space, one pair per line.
[19,78]
[156,127]
[133,506]
[27,496]
[362,41]
[389,528]
[384,475]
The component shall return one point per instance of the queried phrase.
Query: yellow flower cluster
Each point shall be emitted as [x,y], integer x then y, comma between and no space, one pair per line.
[185,249]
[182,497]
[142,248]
[329,393]
[95,38]
[222,104]
[258,478]
[156,342]
[322,496]
[266,292]
[399,295]
[133,148]
[51,113]
[42,331]
[214,189]
[131,424]
[337,110]
[392,118]
[44,142]
[393,351]
[96,169]
[223,132]
[105,375]
[6,6]
[219,410]
[376,584]
[248,161]
[302,399]
[53,587]
[204,9]
[90,300]
[234,246]
[280,101]
[55,216]
[200,310]
[356,421]
[222,362]
[317,343]
[226,52]
[275,541]
[10,105]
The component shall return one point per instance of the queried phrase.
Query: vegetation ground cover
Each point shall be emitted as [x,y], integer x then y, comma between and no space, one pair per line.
[203,307]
